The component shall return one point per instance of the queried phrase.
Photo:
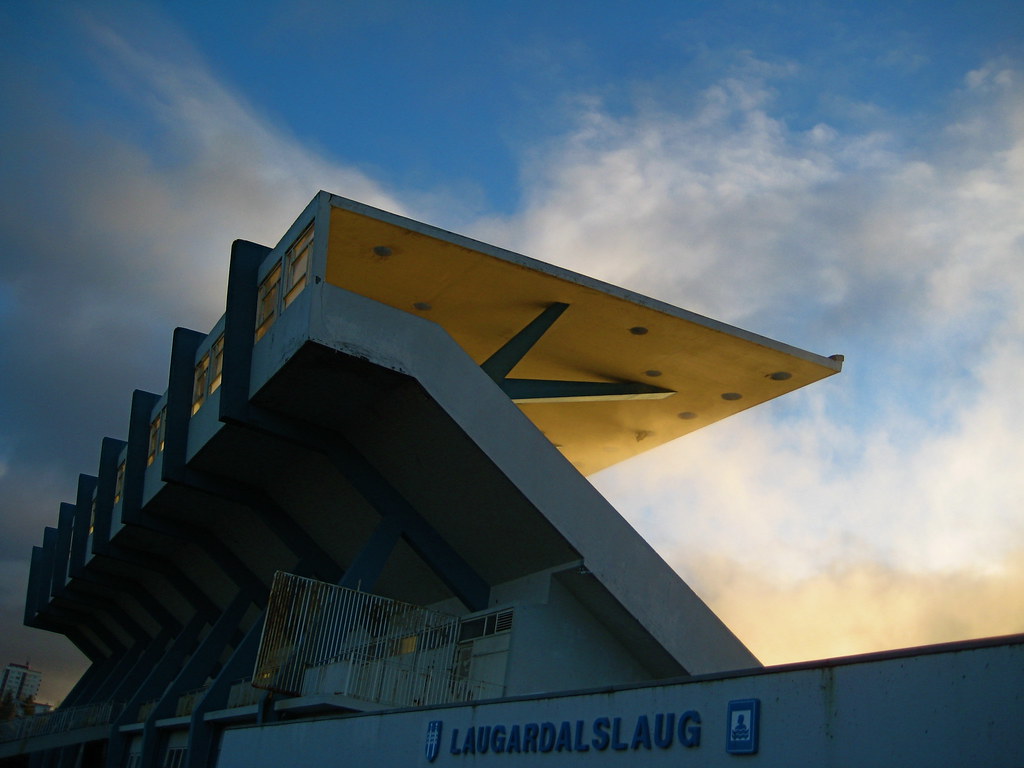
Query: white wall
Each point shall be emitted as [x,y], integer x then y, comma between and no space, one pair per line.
[945,707]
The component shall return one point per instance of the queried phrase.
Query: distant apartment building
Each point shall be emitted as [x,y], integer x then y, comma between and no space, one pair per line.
[21,681]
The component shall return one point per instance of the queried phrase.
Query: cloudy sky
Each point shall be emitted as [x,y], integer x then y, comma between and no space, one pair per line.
[847,178]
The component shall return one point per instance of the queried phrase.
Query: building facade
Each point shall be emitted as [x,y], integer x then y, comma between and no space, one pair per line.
[358,517]
[21,683]
[20,680]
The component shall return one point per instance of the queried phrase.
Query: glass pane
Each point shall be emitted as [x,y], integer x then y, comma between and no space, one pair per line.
[267,306]
[154,436]
[216,363]
[298,264]
[199,385]
[119,483]
[162,429]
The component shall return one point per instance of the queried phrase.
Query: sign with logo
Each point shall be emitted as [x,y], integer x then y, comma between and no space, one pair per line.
[743,722]
[630,735]
[433,745]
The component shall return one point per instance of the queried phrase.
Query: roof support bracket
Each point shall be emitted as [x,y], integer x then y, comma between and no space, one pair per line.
[499,365]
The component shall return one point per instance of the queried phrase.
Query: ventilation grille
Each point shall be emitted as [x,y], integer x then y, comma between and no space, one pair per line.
[504,621]
[483,626]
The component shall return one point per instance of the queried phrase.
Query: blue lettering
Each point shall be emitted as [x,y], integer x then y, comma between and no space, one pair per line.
[498,738]
[664,725]
[600,740]
[569,736]
[530,731]
[483,739]
[547,737]
[513,740]
[617,743]
[642,733]
[689,729]
[580,746]
[564,742]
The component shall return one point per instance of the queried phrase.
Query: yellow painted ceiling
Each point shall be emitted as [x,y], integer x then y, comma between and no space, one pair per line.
[483,300]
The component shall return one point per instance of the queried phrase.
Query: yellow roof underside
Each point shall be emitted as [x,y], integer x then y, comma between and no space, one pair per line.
[483,301]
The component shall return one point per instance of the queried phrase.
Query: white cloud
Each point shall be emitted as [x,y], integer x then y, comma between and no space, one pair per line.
[896,481]
[906,256]
[217,169]
[137,239]
[861,607]
[135,212]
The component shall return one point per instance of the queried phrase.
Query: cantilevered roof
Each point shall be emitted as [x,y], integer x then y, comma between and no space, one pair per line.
[671,371]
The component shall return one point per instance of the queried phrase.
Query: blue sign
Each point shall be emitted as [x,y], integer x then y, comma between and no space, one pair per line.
[644,732]
[742,723]
[433,745]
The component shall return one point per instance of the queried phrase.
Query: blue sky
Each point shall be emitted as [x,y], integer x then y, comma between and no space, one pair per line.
[847,178]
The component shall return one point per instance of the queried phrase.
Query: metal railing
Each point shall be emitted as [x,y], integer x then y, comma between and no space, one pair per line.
[145,709]
[60,721]
[240,694]
[320,638]
[311,624]
[394,683]
[243,694]
[188,700]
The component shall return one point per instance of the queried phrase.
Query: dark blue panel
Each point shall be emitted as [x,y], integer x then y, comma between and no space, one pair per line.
[535,389]
[135,460]
[83,517]
[180,382]
[62,549]
[110,455]
[201,665]
[239,328]
[240,665]
[156,681]
[368,565]
[464,582]
[178,580]
[40,577]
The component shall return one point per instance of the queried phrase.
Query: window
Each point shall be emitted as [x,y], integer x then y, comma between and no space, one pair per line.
[92,516]
[199,384]
[482,626]
[175,757]
[216,363]
[156,435]
[154,440]
[161,432]
[119,483]
[294,270]
[297,261]
[266,309]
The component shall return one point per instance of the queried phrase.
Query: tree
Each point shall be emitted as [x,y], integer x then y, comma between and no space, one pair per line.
[7,708]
